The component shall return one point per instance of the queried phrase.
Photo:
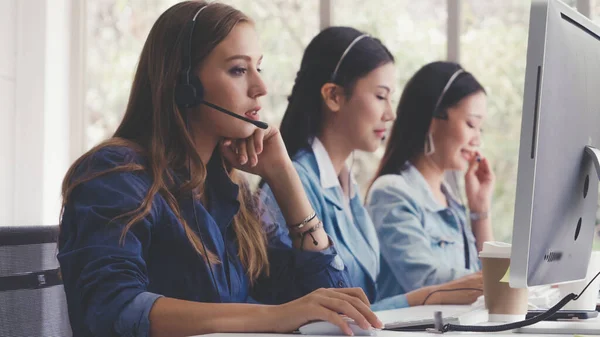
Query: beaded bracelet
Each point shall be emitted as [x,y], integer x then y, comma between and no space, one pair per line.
[309,232]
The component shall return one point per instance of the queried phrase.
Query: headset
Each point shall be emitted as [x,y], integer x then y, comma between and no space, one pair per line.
[189,91]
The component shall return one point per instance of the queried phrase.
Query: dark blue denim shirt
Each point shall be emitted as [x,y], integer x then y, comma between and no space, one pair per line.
[111,286]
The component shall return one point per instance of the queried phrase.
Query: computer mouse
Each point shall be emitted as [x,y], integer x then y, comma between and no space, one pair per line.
[330,329]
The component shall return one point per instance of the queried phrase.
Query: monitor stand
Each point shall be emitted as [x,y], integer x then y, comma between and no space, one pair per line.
[594,154]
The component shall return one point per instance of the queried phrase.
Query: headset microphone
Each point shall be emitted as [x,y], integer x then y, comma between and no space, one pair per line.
[192,94]
[258,124]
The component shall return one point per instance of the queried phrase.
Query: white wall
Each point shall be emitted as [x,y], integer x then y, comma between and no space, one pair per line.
[56,107]
[8,52]
[34,109]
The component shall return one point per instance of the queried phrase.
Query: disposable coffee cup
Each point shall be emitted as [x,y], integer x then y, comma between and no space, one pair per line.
[589,298]
[504,304]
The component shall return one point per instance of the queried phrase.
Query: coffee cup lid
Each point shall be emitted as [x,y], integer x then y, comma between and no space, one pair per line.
[495,249]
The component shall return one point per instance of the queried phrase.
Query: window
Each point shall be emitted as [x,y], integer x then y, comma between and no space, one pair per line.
[595,11]
[494,49]
[116,31]
[572,3]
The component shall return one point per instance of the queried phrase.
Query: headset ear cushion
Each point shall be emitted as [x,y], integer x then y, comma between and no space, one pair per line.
[198,88]
[185,95]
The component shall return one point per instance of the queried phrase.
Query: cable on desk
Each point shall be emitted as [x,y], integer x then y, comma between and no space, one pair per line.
[516,325]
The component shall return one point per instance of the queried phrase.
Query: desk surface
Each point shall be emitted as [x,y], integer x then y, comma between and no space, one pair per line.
[396,334]
[427,311]
[393,334]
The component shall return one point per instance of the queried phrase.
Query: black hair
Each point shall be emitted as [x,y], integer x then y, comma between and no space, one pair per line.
[416,111]
[303,117]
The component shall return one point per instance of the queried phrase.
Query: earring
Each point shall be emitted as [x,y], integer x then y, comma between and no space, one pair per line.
[429,148]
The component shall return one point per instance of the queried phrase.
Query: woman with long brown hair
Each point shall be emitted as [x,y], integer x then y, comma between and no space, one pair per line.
[159,234]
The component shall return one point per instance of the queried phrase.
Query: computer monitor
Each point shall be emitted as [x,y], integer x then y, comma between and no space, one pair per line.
[557,183]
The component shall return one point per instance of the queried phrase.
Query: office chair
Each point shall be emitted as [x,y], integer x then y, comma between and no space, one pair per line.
[32,298]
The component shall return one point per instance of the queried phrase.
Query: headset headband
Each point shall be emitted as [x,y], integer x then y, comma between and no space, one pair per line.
[187,48]
[358,38]
[448,84]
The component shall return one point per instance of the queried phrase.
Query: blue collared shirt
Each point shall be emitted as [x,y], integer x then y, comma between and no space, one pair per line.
[111,287]
[421,241]
[344,219]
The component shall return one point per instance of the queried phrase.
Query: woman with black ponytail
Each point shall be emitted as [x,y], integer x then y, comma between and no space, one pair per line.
[340,103]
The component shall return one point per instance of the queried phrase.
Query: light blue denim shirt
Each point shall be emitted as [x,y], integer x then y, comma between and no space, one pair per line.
[345,221]
[422,241]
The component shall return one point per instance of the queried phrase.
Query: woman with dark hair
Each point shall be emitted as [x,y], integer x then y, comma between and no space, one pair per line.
[159,235]
[341,102]
[422,226]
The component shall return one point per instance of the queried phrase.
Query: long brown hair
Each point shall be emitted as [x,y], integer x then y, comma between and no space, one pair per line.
[155,127]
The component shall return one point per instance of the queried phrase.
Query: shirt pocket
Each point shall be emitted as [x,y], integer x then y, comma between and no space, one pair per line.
[444,248]
[441,242]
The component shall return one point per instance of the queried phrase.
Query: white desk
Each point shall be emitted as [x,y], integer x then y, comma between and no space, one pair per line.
[415,312]
[394,334]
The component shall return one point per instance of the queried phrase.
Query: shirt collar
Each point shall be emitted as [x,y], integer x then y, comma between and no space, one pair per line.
[326,171]
[415,179]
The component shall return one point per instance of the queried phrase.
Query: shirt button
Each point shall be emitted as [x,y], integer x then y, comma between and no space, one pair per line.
[340,284]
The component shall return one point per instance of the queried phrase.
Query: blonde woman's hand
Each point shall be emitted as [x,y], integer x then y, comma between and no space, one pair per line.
[263,153]
[326,305]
